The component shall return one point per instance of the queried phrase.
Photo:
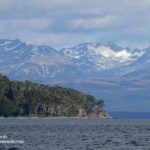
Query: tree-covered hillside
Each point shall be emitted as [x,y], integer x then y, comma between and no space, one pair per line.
[30,99]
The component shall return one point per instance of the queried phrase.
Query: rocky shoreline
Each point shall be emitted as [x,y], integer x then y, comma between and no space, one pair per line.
[101,116]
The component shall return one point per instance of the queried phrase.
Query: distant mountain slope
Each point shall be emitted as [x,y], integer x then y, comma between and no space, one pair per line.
[141,67]
[19,60]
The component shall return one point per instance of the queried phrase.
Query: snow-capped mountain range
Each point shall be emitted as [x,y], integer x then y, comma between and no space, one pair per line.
[119,75]
[19,60]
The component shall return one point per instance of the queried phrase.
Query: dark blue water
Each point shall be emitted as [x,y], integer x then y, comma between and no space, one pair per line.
[130,115]
[76,134]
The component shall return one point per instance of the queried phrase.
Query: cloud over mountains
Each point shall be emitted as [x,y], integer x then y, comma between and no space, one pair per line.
[54,22]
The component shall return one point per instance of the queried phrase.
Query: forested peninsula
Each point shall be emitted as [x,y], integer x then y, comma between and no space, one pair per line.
[27,99]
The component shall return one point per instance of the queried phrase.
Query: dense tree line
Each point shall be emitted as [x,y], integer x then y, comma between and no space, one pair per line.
[19,98]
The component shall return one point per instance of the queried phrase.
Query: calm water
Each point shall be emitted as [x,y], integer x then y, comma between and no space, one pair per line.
[76,134]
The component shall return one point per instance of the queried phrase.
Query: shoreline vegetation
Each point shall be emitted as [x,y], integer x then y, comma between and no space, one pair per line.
[24,99]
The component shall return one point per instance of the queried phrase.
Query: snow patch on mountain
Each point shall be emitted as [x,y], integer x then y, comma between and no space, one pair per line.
[139,53]
[10,48]
[109,53]
[5,42]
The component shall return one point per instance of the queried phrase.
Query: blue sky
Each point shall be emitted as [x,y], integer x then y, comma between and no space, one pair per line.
[61,23]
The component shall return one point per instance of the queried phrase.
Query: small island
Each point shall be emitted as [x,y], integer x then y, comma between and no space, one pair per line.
[27,99]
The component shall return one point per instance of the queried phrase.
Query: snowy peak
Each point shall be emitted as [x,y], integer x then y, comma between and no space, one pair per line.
[102,56]
[11,45]
[5,42]
[107,50]
[19,59]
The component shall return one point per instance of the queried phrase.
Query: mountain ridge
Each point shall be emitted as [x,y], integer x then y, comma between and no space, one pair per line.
[82,59]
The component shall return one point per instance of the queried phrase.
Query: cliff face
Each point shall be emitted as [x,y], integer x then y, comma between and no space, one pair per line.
[94,114]
[31,99]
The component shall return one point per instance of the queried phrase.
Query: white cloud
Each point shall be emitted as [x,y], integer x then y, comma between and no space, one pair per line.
[24,24]
[96,23]
[121,21]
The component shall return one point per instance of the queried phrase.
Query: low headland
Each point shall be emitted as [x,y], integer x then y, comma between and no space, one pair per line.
[32,100]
